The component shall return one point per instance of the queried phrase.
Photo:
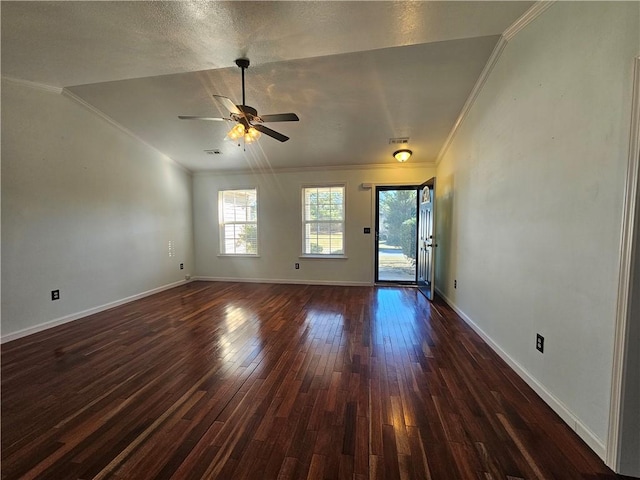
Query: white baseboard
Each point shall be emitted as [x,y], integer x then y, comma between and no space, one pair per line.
[595,443]
[78,315]
[284,281]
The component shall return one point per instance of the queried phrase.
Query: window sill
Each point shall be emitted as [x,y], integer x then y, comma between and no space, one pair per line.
[238,255]
[323,256]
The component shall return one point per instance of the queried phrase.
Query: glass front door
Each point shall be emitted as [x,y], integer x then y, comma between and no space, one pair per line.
[396,232]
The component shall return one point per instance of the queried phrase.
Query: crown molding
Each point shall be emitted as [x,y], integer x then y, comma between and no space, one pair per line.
[316,168]
[30,84]
[482,79]
[529,16]
[121,127]
[63,91]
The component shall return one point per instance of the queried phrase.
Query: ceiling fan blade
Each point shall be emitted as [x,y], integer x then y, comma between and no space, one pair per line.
[280,117]
[271,133]
[199,117]
[228,104]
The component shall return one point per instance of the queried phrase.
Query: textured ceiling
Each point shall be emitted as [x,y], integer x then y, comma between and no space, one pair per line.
[356,73]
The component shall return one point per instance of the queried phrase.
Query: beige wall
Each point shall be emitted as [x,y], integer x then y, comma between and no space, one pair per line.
[530,197]
[280,224]
[86,209]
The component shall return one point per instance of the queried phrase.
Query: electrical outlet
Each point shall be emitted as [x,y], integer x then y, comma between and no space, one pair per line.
[297,265]
[367,230]
[539,343]
[455,284]
[55,295]
[182,266]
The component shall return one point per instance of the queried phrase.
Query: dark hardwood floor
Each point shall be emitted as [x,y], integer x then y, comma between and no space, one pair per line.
[249,381]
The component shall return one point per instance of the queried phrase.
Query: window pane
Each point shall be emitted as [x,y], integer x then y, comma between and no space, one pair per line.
[247,239]
[312,239]
[238,221]
[323,210]
[336,238]
[229,239]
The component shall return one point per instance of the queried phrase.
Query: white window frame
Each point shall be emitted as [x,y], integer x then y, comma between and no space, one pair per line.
[305,221]
[222,224]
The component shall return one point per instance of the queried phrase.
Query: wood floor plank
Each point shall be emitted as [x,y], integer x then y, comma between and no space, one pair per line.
[246,381]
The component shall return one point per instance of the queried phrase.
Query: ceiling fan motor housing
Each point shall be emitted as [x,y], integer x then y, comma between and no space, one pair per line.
[247,110]
[249,115]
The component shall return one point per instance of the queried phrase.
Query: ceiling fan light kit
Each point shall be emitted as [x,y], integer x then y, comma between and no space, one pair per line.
[249,125]
[402,155]
[238,132]
[251,135]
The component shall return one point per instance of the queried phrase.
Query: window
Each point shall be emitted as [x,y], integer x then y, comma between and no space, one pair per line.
[238,218]
[323,220]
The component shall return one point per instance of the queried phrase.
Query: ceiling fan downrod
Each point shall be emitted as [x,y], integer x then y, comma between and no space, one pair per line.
[243,63]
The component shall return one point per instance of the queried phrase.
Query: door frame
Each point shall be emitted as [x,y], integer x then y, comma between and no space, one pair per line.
[629,244]
[385,187]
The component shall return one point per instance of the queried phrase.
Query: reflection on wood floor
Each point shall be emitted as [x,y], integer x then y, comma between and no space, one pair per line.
[249,381]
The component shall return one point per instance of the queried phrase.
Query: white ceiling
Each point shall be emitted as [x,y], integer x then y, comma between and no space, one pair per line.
[356,73]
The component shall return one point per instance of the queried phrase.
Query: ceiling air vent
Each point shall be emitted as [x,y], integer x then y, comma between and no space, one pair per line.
[399,141]
[213,152]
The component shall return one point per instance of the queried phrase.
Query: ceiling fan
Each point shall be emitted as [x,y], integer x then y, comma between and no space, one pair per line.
[248,123]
